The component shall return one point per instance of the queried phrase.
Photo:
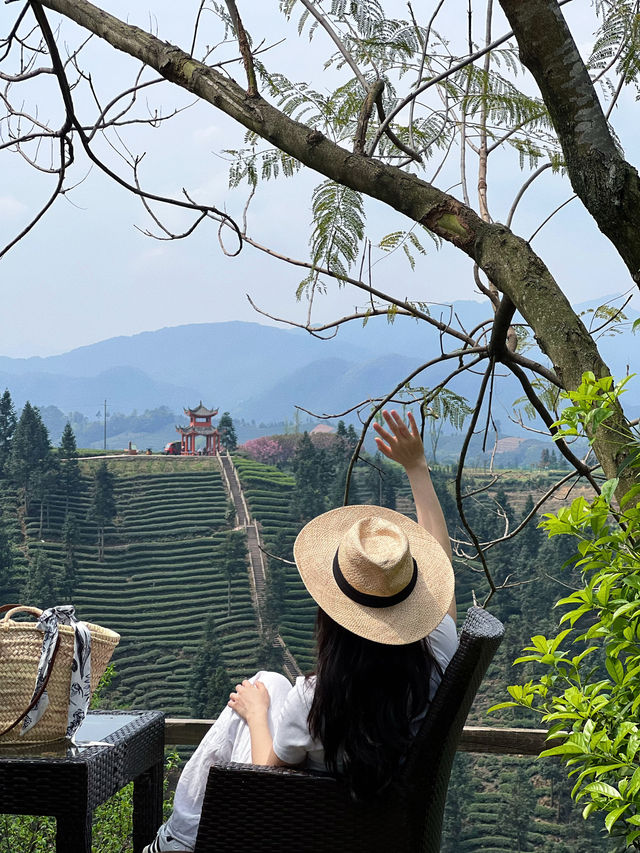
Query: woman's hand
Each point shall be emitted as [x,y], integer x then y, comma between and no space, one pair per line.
[250,700]
[401,442]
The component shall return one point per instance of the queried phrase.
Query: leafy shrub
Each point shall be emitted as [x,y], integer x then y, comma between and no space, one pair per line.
[590,689]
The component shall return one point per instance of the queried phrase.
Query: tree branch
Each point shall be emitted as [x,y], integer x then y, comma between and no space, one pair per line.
[535,401]
[458,481]
[245,49]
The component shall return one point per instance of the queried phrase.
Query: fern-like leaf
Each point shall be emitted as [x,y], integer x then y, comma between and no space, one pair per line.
[338,227]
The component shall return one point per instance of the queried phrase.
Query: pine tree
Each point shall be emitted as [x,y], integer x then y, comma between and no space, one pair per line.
[234,558]
[6,562]
[103,505]
[460,798]
[275,594]
[209,684]
[519,802]
[69,469]
[529,540]
[308,498]
[8,422]
[280,545]
[30,459]
[380,483]
[336,484]
[270,653]
[70,569]
[227,432]
[352,438]
[40,589]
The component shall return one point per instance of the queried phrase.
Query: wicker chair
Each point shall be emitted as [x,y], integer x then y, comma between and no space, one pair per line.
[278,809]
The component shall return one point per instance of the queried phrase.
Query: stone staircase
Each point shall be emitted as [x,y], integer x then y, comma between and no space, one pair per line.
[257,565]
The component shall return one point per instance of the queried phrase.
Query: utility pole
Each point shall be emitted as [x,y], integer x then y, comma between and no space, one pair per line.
[105,424]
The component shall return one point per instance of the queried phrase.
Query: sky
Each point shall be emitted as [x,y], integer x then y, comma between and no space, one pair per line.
[86,272]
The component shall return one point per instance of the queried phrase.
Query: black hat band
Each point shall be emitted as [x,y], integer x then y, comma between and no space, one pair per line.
[368,600]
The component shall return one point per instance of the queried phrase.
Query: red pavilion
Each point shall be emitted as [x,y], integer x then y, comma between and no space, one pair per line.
[199,424]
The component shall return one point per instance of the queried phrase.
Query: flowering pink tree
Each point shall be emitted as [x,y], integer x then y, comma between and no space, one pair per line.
[264,449]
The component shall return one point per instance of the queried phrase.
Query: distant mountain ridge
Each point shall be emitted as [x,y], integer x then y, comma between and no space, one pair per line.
[256,372]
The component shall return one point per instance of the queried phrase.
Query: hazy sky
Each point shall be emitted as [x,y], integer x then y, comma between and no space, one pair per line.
[85,273]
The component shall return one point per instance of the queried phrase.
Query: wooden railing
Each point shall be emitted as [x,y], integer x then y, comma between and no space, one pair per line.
[185,732]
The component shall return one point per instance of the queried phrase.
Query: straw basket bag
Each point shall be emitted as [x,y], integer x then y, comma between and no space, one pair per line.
[20,648]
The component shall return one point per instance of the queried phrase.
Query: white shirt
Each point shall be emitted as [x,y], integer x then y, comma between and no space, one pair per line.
[293,743]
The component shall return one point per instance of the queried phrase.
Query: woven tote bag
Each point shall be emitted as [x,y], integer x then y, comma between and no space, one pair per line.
[20,648]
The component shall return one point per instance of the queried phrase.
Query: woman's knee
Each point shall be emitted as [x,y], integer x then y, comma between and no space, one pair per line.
[276,683]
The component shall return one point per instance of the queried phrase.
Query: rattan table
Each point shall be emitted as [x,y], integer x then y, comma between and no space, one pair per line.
[68,782]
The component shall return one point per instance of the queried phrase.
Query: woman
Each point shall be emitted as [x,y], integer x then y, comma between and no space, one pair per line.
[385,633]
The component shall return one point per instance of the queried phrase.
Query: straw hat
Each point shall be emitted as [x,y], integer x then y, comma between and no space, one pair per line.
[375,572]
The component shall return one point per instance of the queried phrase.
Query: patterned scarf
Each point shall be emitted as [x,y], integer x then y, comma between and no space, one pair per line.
[80,693]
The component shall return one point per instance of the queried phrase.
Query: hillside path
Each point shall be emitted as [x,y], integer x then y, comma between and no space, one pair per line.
[257,565]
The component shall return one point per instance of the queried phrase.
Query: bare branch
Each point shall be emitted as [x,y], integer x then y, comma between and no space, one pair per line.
[276,557]
[335,324]
[72,121]
[523,190]
[458,481]
[535,401]
[539,503]
[551,215]
[245,49]
[404,304]
[375,90]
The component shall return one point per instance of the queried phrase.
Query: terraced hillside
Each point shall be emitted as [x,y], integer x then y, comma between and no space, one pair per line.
[268,493]
[161,577]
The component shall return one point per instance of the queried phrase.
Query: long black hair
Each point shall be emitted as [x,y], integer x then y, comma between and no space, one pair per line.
[366,696]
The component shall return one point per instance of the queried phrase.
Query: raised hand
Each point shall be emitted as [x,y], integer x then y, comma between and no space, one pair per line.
[400,442]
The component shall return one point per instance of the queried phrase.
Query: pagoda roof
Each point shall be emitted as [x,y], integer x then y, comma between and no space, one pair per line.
[197,429]
[201,411]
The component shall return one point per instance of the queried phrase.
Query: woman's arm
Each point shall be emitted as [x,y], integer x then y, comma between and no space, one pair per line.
[251,701]
[402,444]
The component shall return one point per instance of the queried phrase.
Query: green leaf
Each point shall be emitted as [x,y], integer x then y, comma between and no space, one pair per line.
[613,816]
[565,749]
[615,669]
[502,705]
[338,220]
[634,784]
[602,788]
[608,489]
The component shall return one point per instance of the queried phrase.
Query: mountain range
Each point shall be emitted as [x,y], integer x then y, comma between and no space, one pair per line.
[257,372]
